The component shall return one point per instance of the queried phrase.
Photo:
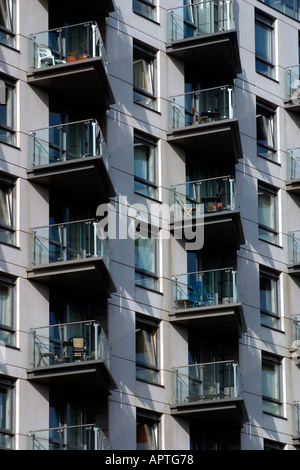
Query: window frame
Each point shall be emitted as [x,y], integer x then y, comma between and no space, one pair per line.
[148,58]
[9,32]
[8,187]
[268,23]
[140,139]
[5,128]
[151,327]
[138,5]
[8,385]
[267,400]
[268,230]
[152,420]
[151,276]
[269,112]
[10,283]
[272,316]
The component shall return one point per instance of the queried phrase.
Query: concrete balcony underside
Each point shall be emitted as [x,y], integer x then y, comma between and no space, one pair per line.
[294,269]
[222,410]
[83,179]
[222,230]
[293,186]
[88,275]
[83,83]
[292,105]
[216,320]
[217,139]
[212,55]
[81,376]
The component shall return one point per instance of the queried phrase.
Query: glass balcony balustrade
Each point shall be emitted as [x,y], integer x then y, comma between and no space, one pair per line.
[200,19]
[296,413]
[294,247]
[67,44]
[215,380]
[68,343]
[205,196]
[84,437]
[67,242]
[293,164]
[289,8]
[296,330]
[204,289]
[66,142]
[200,107]
[292,81]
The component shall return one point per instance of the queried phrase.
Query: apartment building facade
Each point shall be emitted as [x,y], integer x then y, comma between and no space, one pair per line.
[149,242]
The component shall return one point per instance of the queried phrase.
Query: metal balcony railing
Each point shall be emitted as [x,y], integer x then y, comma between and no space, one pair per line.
[200,19]
[215,194]
[204,288]
[294,247]
[66,242]
[82,437]
[200,107]
[68,343]
[67,44]
[293,164]
[205,382]
[66,142]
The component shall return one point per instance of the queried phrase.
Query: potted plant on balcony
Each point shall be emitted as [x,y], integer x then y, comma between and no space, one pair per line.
[72,56]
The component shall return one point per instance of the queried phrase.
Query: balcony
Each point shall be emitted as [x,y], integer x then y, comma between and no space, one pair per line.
[70,63]
[208,300]
[72,158]
[71,255]
[293,171]
[205,120]
[84,437]
[294,253]
[203,35]
[292,98]
[215,198]
[74,356]
[208,392]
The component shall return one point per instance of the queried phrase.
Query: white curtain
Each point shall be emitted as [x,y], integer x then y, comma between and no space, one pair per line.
[5,14]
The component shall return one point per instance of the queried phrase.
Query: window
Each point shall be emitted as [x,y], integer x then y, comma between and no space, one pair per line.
[6,210]
[146,335]
[271,379]
[145,8]
[288,7]
[267,210]
[147,425]
[273,445]
[268,287]
[146,261]
[7,131]
[7,22]
[7,317]
[265,131]
[144,166]
[144,76]
[6,414]
[264,31]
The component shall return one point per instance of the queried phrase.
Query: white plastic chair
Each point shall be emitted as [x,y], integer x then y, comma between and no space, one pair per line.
[45,55]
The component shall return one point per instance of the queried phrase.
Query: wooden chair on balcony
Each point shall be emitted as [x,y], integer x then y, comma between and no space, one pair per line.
[78,348]
[45,353]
